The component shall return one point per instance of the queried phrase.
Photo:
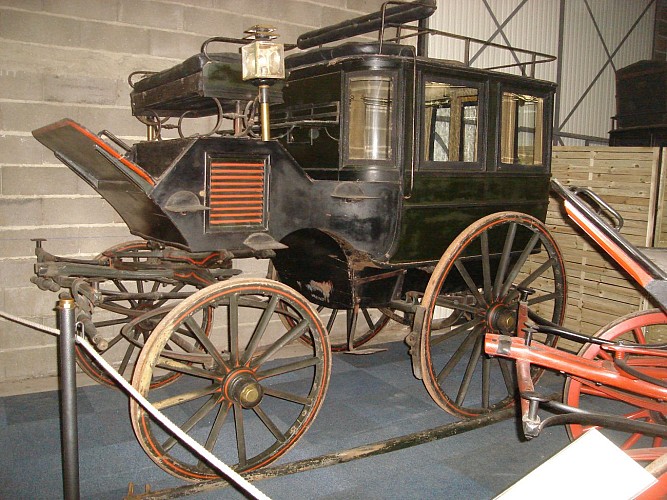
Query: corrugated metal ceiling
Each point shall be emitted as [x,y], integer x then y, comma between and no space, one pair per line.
[597,37]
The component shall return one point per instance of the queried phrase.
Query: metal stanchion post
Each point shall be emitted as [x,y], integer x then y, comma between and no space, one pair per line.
[68,412]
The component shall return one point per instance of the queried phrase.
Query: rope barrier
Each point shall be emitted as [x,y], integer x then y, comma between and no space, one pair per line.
[203,453]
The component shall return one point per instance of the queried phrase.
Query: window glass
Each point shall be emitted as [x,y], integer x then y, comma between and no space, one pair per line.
[451,117]
[521,133]
[370,120]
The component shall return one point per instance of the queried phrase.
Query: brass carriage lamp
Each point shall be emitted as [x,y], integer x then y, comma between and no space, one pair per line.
[263,62]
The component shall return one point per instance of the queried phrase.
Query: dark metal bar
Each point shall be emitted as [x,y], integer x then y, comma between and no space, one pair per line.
[422,41]
[364,451]
[559,71]
[68,420]
[400,13]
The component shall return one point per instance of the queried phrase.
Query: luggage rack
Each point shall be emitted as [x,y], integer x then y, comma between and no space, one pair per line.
[469,43]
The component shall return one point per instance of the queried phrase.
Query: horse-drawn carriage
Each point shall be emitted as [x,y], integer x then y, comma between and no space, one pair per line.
[380,158]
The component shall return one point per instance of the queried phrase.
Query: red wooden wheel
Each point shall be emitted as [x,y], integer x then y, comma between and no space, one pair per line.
[635,328]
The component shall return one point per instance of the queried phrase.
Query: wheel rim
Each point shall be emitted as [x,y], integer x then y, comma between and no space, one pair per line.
[477,277]
[246,398]
[112,318]
[575,393]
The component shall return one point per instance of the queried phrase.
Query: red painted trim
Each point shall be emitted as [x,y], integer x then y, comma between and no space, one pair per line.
[132,166]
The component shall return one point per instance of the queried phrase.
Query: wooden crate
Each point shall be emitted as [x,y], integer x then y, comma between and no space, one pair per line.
[632,181]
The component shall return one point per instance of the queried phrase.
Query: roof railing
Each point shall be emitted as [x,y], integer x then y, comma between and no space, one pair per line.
[469,43]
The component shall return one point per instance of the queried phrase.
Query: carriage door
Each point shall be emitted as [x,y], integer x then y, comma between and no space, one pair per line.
[363,210]
[445,195]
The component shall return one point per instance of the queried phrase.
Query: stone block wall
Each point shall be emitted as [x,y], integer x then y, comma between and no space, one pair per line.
[71,59]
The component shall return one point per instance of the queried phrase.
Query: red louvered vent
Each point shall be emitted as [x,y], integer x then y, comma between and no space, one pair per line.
[236,194]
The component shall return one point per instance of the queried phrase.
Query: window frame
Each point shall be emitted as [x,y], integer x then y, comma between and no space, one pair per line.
[394,110]
[482,118]
[547,115]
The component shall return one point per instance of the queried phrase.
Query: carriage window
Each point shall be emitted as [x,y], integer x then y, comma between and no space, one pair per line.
[370,109]
[521,135]
[450,122]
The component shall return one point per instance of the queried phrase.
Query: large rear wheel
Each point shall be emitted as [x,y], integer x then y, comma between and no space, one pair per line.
[476,282]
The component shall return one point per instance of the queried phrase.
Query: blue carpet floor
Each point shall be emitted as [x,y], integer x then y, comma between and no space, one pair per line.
[370,398]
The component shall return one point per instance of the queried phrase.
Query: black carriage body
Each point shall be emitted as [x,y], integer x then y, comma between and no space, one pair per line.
[383,158]
[429,202]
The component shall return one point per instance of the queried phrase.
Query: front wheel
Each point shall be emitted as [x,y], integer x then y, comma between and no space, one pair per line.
[246,397]
[476,282]
[635,328]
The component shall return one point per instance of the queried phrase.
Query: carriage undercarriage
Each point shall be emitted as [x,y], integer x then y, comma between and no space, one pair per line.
[197,338]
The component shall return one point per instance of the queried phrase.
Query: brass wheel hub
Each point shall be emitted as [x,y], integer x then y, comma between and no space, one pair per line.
[501,318]
[242,387]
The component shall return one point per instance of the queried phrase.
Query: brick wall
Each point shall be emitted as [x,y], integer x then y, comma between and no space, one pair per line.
[71,59]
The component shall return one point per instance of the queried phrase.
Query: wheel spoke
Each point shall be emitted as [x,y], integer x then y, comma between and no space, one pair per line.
[454,332]
[288,396]
[536,274]
[182,343]
[112,342]
[506,369]
[220,418]
[111,322]
[456,357]
[128,355]
[332,319]
[203,339]
[504,259]
[180,367]
[175,289]
[196,417]
[639,335]
[486,267]
[240,435]
[266,420]
[519,264]
[369,321]
[122,288]
[288,368]
[351,317]
[455,304]
[294,332]
[631,441]
[233,328]
[260,329]
[543,298]
[470,370]
[471,284]
[184,397]
[486,381]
